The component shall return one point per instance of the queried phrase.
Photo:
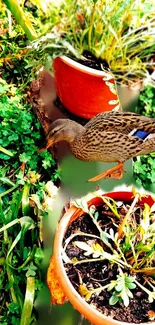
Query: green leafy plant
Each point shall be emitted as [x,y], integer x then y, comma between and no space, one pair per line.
[26,186]
[118,32]
[122,289]
[21,256]
[127,246]
[144,166]
[32,18]
[23,174]
[20,134]
[146,103]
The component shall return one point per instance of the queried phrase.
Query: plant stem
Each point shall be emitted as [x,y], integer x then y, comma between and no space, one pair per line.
[11,280]
[150,294]
[25,200]
[67,241]
[9,21]
[91,27]
[8,191]
[122,225]
[8,225]
[75,3]
[29,258]
[148,271]
[6,152]
[117,261]
[2,260]
[100,288]
[22,20]
[113,209]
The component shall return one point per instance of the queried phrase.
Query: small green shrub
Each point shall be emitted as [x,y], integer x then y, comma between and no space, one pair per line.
[144,166]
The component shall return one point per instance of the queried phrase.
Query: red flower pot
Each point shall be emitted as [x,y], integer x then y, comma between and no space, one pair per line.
[82,90]
[93,315]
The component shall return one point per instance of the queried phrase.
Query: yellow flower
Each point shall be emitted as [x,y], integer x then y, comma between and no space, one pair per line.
[99,28]
[58,296]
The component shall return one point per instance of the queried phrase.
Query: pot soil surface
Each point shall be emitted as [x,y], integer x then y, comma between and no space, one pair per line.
[91,61]
[96,274]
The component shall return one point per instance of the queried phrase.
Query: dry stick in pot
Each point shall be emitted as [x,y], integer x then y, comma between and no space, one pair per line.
[122,224]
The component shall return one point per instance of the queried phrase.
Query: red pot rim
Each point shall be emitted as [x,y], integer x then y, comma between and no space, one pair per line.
[72,295]
[86,69]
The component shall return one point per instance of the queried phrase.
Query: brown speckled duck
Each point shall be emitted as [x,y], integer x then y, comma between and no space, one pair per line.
[108,137]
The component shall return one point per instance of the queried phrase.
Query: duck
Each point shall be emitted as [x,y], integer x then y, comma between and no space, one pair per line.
[107,137]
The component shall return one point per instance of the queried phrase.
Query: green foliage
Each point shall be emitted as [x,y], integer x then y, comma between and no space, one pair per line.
[20,173]
[20,133]
[144,166]
[20,136]
[32,18]
[146,103]
[127,246]
[19,242]
[122,289]
[11,315]
[23,173]
[144,170]
[119,32]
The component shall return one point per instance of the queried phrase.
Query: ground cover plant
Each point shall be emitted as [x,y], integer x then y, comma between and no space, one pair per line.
[144,167]
[26,183]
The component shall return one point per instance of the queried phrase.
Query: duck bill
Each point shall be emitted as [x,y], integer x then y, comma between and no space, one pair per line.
[49,143]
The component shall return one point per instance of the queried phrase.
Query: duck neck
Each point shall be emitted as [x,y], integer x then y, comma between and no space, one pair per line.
[75,131]
[76,144]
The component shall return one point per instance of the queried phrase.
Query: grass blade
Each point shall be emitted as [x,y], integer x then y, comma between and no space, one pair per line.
[28,302]
[14,244]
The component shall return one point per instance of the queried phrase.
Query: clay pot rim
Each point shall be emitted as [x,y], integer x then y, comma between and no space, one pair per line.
[76,300]
[85,69]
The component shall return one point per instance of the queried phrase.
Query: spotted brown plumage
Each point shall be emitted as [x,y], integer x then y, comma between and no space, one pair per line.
[108,137]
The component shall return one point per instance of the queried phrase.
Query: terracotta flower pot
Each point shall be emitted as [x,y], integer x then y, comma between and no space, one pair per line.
[93,315]
[82,90]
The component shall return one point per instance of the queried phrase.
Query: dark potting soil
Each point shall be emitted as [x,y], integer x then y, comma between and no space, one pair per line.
[89,60]
[100,273]
[93,62]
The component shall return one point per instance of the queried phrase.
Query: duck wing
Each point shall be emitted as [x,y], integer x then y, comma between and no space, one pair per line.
[122,122]
[114,146]
[119,134]
[110,146]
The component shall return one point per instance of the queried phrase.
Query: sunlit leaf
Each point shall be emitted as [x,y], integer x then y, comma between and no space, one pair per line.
[113,299]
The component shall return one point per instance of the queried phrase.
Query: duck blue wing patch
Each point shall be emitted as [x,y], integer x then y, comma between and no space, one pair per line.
[141,134]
